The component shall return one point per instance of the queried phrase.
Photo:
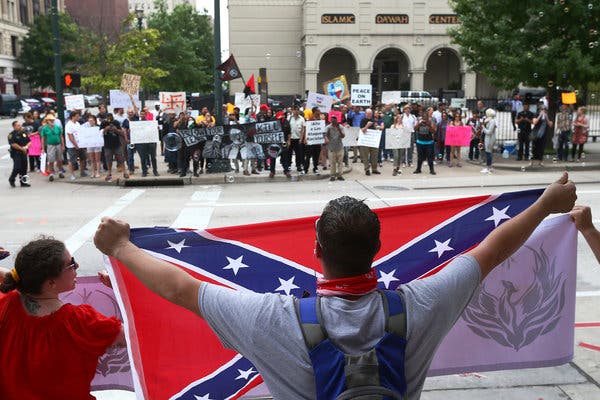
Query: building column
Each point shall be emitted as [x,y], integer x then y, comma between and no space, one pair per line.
[310,80]
[469,80]
[364,76]
[417,79]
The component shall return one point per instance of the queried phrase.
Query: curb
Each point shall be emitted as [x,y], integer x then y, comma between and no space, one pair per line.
[547,167]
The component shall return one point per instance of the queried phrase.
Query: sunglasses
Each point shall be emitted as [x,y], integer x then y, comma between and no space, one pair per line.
[73,265]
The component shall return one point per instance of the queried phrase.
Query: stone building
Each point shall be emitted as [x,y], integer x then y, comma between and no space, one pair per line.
[391,44]
[15,18]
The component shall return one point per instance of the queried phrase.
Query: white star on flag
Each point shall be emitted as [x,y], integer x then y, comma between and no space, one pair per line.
[176,246]
[205,397]
[245,374]
[235,264]
[498,215]
[441,247]
[287,286]
[387,278]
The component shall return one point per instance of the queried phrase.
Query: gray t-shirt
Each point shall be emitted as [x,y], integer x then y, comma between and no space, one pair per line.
[265,328]
[335,140]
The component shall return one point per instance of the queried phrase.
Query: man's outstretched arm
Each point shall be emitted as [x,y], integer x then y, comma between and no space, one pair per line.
[164,279]
[559,197]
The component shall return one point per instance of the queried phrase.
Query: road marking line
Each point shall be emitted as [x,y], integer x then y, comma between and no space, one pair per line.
[76,240]
[593,293]
[588,346]
[587,324]
[197,213]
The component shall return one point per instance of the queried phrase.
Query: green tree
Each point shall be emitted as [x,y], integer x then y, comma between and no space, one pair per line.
[534,43]
[37,54]
[133,53]
[186,51]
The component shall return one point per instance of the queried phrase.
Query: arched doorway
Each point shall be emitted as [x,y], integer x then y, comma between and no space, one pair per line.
[336,62]
[443,72]
[390,71]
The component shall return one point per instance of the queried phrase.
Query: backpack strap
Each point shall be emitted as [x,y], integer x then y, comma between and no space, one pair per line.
[309,316]
[395,315]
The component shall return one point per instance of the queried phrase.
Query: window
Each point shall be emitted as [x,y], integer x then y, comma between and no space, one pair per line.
[24,12]
[36,7]
[13,44]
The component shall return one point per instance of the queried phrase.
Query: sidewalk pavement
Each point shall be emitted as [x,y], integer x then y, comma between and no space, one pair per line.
[354,171]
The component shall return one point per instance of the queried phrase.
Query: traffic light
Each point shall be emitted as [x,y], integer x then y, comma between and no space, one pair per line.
[72,80]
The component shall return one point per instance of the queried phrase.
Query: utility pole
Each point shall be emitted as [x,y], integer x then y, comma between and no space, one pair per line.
[60,101]
[218,88]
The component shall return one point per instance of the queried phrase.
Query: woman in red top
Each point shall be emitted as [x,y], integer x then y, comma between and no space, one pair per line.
[581,127]
[48,350]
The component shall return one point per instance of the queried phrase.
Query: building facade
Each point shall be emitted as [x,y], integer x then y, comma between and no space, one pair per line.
[15,18]
[100,16]
[148,5]
[391,44]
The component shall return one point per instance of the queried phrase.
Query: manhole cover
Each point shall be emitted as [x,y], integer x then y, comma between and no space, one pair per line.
[390,187]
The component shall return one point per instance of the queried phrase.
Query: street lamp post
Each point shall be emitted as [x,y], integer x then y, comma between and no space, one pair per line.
[139,14]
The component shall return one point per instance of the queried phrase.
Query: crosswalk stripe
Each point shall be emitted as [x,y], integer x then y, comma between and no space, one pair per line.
[198,211]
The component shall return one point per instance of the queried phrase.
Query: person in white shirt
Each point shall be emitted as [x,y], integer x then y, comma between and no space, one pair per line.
[73,150]
[297,127]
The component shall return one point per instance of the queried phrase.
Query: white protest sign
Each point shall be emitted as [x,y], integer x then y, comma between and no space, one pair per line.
[322,101]
[350,136]
[194,113]
[74,102]
[397,138]
[242,102]
[360,95]
[315,132]
[143,131]
[89,137]
[370,138]
[172,101]
[392,97]
[120,99]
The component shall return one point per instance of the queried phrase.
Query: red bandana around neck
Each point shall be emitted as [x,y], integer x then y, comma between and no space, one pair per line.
[353,286]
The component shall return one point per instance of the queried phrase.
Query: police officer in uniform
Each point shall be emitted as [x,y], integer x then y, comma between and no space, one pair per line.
[19,144]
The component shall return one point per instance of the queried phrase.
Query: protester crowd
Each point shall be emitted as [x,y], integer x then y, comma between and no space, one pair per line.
[39,135]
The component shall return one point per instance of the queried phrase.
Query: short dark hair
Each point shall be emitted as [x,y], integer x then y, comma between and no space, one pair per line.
[14,123]
[348,233]
[38,261]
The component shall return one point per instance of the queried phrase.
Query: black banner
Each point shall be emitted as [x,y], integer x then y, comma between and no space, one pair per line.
[259,132]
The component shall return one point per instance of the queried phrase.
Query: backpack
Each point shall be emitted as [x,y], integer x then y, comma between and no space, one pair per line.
[374,375]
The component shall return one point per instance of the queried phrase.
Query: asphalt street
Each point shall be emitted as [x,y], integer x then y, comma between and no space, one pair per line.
[71,212]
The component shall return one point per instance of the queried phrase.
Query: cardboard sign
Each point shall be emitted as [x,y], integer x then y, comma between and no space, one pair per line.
[350,136]
[120,99]
[322,101]
[361,95]
[392,97]
[89,137]
[74,102]
[143,132]
[172,102]
[242,102]
[397,138]
[337,88]
[130,84]
[458,135]
[315,132]
[370,138]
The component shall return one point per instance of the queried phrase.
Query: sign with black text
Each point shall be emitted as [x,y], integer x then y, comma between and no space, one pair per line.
[361,95]
[315,132]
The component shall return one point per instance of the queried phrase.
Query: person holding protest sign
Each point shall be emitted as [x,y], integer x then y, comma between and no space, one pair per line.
[75,154]
[455,150]
[368,155]
[94,152]
[44,341]
[312,151]
[272,330]
[112,132]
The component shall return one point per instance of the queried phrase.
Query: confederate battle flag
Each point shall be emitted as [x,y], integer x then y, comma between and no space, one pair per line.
[521,316]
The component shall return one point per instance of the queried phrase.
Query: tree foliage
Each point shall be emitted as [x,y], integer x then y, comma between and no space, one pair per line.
[535,43]
[37,53]
[132,53]
[186,51]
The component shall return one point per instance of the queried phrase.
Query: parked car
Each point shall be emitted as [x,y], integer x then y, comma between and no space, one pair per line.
[9,105]
[33,104]
[91,100]
[418,96]
[47,102]
[48,93]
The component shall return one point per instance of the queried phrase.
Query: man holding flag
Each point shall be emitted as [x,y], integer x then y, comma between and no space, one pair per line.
[273,331]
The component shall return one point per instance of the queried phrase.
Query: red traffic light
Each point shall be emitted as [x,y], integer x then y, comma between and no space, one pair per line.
[72,80]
